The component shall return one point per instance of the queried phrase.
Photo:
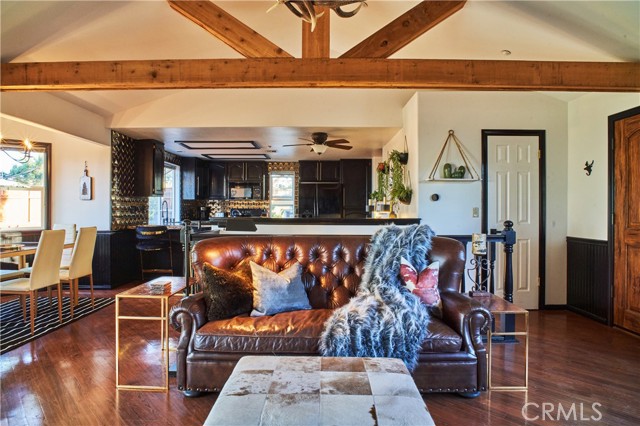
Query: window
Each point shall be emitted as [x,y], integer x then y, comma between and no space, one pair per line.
[282,200]
[24,188]
[166,209]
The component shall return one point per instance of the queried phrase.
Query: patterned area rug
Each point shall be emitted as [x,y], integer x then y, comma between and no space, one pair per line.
[15,332]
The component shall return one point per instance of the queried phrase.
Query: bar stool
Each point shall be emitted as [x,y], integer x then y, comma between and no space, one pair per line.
[152,241]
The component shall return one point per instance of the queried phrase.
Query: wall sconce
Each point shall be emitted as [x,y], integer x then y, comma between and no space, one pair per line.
[11,145]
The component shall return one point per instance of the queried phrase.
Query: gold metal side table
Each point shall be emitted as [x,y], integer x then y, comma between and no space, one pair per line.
[144,291]
[497,305]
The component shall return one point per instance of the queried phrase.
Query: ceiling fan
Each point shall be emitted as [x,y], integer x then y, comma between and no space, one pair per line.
[320,143]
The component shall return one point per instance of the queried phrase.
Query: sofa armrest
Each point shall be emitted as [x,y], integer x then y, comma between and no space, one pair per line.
[187,316]
[467,317]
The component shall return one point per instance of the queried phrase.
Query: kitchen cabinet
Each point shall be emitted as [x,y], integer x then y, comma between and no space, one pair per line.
[356,184]
[245,171]
[217,181]
[251,175]
[319,171]
[195,179]
[149,172]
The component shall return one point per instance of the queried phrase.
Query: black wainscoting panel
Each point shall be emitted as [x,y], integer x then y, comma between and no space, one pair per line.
[116,260]
[588,288]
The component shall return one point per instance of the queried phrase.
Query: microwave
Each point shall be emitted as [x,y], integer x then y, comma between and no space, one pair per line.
[236,192]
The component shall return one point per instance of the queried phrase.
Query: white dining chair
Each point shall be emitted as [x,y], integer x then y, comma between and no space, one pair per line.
[81,263]
[44,273]
[69,238]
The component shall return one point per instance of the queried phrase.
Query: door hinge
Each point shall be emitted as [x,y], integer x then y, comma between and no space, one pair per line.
[613,218]
[538,281]
[539,154]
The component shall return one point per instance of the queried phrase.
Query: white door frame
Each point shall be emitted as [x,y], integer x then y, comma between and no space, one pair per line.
[541,134]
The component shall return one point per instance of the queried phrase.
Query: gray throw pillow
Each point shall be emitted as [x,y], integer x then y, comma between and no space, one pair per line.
[227,293]
[274,293]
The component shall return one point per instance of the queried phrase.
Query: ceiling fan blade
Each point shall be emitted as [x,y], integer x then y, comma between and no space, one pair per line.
[306,139]
[299,144]
[337,141]
[348,147]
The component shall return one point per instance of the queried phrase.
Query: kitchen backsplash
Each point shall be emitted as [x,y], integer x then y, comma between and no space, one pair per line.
[126,210]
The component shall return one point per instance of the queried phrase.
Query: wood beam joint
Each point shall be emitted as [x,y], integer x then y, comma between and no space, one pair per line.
[228,29]
[404,29]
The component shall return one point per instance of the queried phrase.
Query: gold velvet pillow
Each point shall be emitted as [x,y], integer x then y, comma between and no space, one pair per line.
[227,293]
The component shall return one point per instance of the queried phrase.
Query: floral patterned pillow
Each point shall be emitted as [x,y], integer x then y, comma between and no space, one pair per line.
[423,284]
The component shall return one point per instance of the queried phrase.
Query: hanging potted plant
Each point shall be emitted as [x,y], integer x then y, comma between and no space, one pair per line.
[398,190]
[405,194]
[379,196]
[403,157]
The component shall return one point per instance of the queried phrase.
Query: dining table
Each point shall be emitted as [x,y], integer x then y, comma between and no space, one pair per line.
[22,250]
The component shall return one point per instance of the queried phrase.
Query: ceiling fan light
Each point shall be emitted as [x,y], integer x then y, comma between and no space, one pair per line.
[319,149]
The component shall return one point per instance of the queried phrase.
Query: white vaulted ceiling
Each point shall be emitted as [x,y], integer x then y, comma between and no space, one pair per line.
[42,31]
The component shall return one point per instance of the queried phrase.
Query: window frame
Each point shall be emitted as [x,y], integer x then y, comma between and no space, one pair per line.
[45,148]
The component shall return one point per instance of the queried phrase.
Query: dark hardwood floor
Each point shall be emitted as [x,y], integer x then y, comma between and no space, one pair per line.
[68,378]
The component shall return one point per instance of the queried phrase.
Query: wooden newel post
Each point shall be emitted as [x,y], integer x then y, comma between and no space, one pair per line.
[509,240]
[186,247]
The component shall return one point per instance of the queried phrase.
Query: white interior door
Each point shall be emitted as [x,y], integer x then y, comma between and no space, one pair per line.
[514,194]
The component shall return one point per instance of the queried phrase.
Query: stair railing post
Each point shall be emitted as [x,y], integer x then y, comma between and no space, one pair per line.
[186,246]
[509,240]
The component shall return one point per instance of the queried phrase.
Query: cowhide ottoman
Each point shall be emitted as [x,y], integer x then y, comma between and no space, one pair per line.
[300,390]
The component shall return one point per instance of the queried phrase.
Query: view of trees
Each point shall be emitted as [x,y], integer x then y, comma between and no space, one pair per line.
[30,173]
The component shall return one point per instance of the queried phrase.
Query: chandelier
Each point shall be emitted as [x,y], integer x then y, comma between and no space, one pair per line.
[9,146]
[306,9]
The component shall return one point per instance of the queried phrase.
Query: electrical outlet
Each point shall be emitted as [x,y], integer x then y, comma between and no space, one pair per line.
[476,212]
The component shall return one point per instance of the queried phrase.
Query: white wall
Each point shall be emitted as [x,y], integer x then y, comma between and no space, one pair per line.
[50,111]
[467,113]
[67,162]
[324,108]
[588,141]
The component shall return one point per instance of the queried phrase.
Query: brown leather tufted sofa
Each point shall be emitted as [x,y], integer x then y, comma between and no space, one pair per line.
[453,357]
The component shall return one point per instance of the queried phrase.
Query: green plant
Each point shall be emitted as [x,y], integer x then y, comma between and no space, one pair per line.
[398,190]
[404,196]
[376,195]
[383,181]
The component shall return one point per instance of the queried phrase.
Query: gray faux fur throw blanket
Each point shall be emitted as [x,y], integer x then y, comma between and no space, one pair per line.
[384,319]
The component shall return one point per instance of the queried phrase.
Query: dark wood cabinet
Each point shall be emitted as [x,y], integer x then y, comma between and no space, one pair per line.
[248,173]
[254,171]
[149,174]
[356,187]
[235,171]
[319,171]
[195,179]
[307,200]
[217,181]
[241,171]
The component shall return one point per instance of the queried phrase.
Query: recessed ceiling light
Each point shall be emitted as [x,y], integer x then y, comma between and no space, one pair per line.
[505,52]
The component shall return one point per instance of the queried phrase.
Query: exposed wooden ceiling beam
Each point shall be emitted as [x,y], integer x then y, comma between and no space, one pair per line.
[316,44]
[404,29]
[231,31]
[305,73]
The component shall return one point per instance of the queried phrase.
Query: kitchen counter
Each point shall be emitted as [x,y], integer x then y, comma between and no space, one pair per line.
[302,226]
[312,221]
